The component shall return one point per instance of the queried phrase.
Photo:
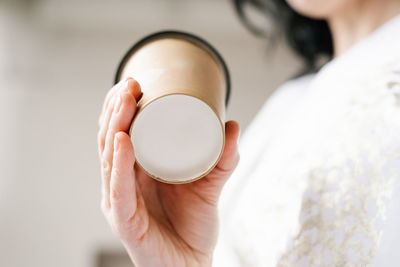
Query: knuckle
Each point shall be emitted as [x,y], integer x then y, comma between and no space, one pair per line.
[116,172]
[133,229]
[119,229]
[105,165]
[115,194]
[101,145]
[138,227]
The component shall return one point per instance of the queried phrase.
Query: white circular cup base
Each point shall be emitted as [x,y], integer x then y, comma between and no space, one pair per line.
[177,138]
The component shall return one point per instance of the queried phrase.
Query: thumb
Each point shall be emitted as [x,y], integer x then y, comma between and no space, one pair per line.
[230,155]
[228,161]
[211,185]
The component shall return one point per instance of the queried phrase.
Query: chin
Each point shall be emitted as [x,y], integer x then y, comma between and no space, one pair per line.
[318,9]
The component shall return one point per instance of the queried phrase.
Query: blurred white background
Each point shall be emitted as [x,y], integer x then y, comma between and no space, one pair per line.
[57,61]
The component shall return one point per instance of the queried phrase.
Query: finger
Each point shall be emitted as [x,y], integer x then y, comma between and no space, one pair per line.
[108,98]
[101,137]
[132,87]
[129,214]
[211,185]
[106,112]
[129,84]
[229,158]
[123,112]
[123,192]
[135,90]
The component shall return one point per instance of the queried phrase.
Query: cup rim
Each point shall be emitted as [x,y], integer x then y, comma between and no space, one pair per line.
[184,35]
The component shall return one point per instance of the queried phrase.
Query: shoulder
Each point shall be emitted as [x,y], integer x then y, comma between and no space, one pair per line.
[290,90]
[279,104]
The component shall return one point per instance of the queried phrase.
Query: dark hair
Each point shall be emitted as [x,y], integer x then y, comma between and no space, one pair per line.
[310,38]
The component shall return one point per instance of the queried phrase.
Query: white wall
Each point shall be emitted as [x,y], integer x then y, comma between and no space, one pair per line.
[57,60]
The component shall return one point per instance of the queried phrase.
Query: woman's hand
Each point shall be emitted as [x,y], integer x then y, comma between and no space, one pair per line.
[159,224]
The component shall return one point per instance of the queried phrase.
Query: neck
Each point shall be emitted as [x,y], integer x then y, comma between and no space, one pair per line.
[359,20]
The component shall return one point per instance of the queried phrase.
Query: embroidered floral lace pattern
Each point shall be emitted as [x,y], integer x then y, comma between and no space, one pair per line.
[343,208]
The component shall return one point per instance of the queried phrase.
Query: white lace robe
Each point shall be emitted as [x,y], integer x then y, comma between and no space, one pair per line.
[318,181]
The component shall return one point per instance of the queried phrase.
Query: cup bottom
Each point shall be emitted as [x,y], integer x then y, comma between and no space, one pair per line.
[177,138]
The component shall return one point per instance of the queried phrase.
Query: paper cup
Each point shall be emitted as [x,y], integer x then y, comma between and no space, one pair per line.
[178,131]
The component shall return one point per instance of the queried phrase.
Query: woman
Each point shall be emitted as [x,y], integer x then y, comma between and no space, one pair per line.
[317,183]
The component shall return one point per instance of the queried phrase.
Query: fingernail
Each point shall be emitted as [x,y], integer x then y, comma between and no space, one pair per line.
[117,103]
